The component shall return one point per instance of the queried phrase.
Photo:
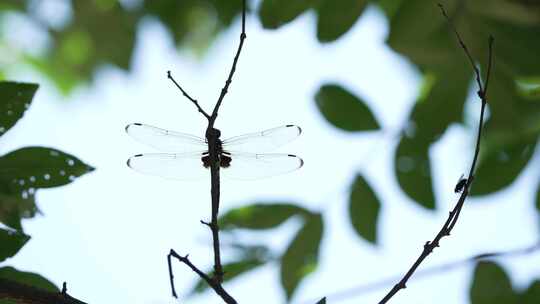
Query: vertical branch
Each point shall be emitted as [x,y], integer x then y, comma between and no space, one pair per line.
[454,214]
[225,89]
[214,151]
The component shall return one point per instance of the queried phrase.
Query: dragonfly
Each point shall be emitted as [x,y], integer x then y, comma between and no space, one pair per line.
[186,156]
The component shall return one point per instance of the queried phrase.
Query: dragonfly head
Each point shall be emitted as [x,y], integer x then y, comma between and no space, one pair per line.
[213,133]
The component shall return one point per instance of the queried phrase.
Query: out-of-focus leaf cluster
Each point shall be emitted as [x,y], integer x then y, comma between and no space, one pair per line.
[22,173]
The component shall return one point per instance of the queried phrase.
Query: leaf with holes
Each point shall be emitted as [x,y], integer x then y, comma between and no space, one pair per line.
[491,285]
[27,278]
[39,167]
[275,13]
[12,242]
[259,216]
[344,110]
[15,98]
[335,18]
[302,256]
[15,207]
[364,209]
[413,170]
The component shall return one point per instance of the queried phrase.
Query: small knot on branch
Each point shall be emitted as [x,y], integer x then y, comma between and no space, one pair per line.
[64,289]
[243,36]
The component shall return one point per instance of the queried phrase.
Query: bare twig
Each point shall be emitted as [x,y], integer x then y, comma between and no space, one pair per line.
[195,102]
[216,286]
[454,214]
[225,89]
[214,150]
[373,286]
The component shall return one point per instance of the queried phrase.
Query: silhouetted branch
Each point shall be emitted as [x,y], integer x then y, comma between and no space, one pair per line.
[454,214]
[373,286]
[216,286]
[187,95]
[22,293]
[214,147]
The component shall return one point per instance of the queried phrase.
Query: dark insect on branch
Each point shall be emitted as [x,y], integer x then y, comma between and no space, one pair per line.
[464,184]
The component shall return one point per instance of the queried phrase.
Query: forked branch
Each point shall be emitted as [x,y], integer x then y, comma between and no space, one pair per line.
[212,137]
[454,214]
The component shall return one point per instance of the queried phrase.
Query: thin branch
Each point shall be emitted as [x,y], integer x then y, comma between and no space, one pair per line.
[214,150]
[454,214]
[22,293]
[216,286]
[195,102]
[373,286]
[225,89]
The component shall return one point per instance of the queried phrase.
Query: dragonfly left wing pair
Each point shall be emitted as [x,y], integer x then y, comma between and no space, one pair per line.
[184,159]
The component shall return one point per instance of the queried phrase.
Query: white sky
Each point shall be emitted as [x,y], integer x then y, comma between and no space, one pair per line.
[107,234]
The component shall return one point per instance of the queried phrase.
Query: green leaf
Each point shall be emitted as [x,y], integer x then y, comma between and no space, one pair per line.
[344,110]
[15,207]
[413,170]
[232,271]
[337,17]
[302,256]
[501,162]
[531,295]
[275,13]
[491,285]
[364,209]
[15,98]
[12,242]
[39,167]
[322,301]
[259,216]
[27,278]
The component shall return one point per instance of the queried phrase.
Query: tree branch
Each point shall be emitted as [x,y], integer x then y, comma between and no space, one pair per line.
[195,102]
[215,285]
[369,287]
[225,89]
[454,214]
[22,293]
[214,151]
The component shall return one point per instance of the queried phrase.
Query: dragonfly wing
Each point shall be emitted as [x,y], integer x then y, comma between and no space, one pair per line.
[250,166]
[181,166]
[165,140]
[263,141]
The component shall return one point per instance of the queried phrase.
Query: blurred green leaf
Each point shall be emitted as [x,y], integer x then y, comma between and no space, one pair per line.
[337,17]
[389,7]
[39,167]
[15,207]
[364,209]
[491,285]
[501,163]
[259,216]
[344,110]
[531,295]
[413,170]
[232,271]
[12,242]
[302,256]
[275,13]
[27,278]
[15,98]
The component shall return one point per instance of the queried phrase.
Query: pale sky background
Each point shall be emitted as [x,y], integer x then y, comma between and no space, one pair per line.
[107,234]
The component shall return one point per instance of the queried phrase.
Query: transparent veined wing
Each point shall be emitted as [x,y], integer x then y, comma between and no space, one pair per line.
[251,166]
[262,141]
[165,140]
[181,166]
[189,166]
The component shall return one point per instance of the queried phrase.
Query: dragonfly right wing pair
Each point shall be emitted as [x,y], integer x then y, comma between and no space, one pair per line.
[184,160]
